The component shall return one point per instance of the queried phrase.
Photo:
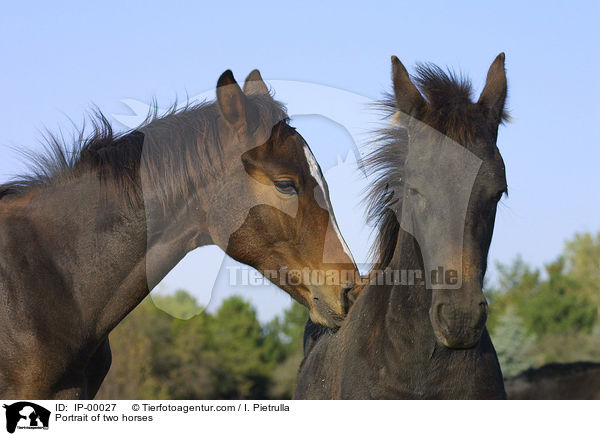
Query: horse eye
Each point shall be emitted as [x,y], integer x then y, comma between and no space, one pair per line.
[286,187]
[413,191]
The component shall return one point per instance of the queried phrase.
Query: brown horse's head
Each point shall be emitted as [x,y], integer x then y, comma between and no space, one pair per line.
[453,177]
[271,209]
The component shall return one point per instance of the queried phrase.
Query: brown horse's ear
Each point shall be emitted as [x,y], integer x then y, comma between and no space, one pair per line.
[255,85]
[408,98]
[493,96]
[231,100]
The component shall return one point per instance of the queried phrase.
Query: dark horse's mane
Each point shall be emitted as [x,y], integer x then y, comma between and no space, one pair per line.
[179,151]
[451,110]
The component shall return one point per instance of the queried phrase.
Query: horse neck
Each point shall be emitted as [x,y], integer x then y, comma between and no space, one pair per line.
[408,308]
[163,238]
[101,246]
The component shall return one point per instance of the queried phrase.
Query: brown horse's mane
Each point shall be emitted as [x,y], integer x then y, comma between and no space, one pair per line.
[179,151]
[450,110]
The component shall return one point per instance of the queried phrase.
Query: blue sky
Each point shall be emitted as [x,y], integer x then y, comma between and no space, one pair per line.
[60,58]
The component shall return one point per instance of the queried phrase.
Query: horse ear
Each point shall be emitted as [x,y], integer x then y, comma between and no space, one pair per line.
[493,96]
[408,98]
[231,100]
[255,85]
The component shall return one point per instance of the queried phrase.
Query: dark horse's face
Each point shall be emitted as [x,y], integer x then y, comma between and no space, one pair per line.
[278,216]
[454,178]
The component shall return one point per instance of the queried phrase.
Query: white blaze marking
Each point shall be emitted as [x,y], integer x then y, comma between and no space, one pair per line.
[315,172]
[314,167]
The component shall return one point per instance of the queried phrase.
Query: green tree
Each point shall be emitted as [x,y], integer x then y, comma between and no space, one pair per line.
[179,305]
[134,345]
[513,344]
[559,306]
[290,333]
[516,284]
[242,370]
[582,255]
[193,359]
[558,315]
[565,347]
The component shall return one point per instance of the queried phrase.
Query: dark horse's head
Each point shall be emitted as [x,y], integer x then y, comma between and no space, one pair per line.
[444,193]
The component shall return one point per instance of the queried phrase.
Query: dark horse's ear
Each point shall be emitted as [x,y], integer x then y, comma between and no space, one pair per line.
[231,100]
[255,85]
[408,98]
[493,96]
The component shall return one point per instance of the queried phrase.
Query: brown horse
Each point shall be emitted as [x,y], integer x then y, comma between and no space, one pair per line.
[556,381]
[86,237]
[417,329]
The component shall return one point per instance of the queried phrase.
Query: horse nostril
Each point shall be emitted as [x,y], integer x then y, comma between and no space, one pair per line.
[439,311]
[484,308]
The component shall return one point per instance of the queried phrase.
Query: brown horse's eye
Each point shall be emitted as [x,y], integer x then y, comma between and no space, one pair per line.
[286,187]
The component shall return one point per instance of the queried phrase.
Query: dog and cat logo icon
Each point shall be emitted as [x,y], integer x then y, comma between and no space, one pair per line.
[26,415]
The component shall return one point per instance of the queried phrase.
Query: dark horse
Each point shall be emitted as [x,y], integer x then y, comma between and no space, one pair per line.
[417,328]
[84,239]
[556,381]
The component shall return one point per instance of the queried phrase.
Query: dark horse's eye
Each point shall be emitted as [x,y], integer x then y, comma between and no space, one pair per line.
[285,186]
[413,192]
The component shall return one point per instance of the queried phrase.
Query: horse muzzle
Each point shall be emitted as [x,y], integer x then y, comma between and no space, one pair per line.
[459,327]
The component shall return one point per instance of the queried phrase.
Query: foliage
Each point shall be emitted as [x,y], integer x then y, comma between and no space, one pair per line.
[555,318]
[582,261]
[225,355]
[517,283]
[290,333]
[559,306]
[180,305]
[512,343]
